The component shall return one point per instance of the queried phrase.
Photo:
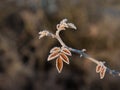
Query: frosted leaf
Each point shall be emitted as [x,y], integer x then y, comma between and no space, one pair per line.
[71,25]
[98,68]
[59,64]
[64,58]
[63,21]
[101,68]
[43,33]
[63,25]
[53,56]
[55,49]
[102,73]
[66,51]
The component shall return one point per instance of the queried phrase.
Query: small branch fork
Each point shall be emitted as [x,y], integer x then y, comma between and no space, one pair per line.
[100,68]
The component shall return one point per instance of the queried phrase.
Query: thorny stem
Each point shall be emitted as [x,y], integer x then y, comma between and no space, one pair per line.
[84,55]
[61,27]
[112,72]
[80,52]
[74,50]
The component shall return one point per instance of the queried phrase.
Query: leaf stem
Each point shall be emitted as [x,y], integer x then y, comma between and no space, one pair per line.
[59,38]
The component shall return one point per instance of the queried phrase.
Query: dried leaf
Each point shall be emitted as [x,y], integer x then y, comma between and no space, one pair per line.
[66,51]
[41,36]
[59,64]
[71,25]
[63,21]
[102,73]
[98,68]
[55,49]
[64,58]
[63,25]
[53,56]
[43,33]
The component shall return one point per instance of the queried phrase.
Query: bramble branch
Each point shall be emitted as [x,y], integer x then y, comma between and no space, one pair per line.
[61,53]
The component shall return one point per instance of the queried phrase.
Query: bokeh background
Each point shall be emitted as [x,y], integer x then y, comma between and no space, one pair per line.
[23,57]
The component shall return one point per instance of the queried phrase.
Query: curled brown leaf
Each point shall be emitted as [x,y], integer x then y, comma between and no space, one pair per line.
[98,67]
[102,73]
[101,68]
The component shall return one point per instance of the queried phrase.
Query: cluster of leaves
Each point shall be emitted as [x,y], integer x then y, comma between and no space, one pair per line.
[63,25]
[60,54]
[101,68]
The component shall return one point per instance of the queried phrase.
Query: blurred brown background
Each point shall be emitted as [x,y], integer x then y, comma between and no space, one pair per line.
[23,57]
